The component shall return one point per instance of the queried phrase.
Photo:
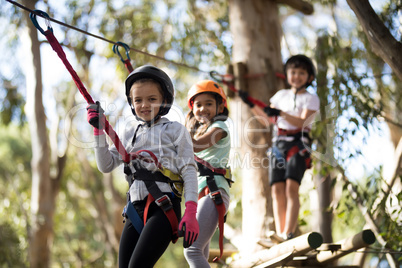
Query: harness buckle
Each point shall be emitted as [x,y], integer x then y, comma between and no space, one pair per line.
[216,196]
[164,202]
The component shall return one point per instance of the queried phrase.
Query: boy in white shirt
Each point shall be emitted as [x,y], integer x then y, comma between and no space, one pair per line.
[290,110]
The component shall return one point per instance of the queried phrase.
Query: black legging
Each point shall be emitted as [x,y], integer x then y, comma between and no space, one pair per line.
[142,251]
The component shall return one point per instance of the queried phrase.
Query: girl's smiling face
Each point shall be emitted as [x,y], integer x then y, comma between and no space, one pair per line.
[147,99]
[297,77]
[205,107]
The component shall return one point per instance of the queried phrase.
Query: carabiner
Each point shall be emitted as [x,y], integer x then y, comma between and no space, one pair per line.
[223,78]
[213,75]
[116,50]
[44,15]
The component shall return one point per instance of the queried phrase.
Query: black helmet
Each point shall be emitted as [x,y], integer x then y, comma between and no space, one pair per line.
[151,72]
[303,62]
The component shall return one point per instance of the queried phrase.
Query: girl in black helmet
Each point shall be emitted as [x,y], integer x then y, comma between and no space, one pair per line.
[290,110]
[150,226]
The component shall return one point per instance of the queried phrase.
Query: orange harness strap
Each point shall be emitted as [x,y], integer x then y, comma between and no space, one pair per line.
[221,214]
[166,205]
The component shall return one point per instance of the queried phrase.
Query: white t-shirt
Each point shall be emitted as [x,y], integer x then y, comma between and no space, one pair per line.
[285,100]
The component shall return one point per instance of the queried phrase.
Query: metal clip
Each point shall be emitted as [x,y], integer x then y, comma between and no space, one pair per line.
[116,50]
[216,196]
[43,14]
[164,202]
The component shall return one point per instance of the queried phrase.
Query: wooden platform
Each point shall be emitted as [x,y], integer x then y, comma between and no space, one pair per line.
[305,251]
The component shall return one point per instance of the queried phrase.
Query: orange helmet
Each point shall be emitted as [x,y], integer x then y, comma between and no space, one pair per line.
[205,86]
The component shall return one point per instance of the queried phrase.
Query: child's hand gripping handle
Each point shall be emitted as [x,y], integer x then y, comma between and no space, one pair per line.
[96,118]
[188,227]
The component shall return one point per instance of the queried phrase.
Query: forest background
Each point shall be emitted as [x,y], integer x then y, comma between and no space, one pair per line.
[361,155]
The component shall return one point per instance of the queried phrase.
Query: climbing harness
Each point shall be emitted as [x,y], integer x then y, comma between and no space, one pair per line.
[135,171]
[294,146]
[206,169]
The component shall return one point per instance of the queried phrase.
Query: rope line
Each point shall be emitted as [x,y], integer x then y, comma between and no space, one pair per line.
[213,74]
[247,76]
[105,39]
[226,79]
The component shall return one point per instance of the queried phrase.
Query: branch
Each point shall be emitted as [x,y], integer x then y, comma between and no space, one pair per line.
[397,167]
[390,180]
[300,5]
[367,216]
[382,42]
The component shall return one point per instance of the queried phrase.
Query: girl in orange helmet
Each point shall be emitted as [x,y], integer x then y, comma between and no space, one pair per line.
[211,141]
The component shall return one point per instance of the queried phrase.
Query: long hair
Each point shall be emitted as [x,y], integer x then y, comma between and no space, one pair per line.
[196,128]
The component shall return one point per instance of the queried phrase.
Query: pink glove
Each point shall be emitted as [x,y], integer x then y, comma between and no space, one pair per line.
[189,224]
[96,118]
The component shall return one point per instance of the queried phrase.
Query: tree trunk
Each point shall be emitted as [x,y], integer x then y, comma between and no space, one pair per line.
[323,183]
[382,42]
[256,34]
[42,207]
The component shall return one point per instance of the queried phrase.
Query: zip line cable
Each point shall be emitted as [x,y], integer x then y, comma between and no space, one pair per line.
[247,76]
[104,39]
[225,79]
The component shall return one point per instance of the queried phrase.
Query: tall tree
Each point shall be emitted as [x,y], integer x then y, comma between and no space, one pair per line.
[256,36]
[43,194]
[257,33]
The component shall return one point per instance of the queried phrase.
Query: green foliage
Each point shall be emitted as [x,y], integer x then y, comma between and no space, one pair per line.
[79,233]
[15,155]
[11,77]
[12,104]
[347,217]
[15,152]
[194,33]
[386,212]
[10,247]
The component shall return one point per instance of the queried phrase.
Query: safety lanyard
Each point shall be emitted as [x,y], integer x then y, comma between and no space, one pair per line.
[225,81]
[59,50]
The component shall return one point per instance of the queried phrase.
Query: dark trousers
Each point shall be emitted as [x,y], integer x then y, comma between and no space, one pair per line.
[144,250]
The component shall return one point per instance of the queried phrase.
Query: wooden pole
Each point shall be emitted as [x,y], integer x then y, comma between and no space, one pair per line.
[229,92]
[360,240]
[300,245]
[240,70]
[294,247]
